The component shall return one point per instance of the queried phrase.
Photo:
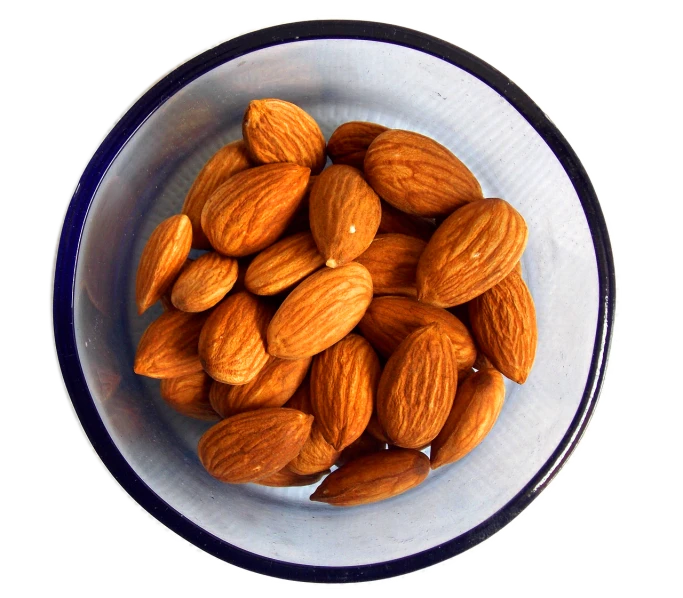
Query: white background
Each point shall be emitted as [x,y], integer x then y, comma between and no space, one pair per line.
[606,74]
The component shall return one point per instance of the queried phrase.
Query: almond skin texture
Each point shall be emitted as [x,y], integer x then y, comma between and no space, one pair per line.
[283,265]
[253,445]
[476,407]
[389,320]
[273,386]
[350,141]
[504,326]
[392,263]
[417,175]
[189,395]
[344,213]
[168,348]
[365,445]
[278,131]
[161,260]
[322,310]
[395,221]
[417,388]
[285,477]
[473,250]
[252,209]
[204,282]
[344,381]
[228,160]
[373,478]
[232,345]
[316,454]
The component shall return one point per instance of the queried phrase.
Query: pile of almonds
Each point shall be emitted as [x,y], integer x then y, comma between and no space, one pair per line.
[348,316]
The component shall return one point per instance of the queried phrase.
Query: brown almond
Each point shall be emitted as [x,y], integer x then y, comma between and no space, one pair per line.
[286,477]
[397,222]
[301,399]
[473,250]
[349,142]
[162,258]
[204,282]
[477,405]
[322,310]
[189,395]
[316,454]
[374,429]
[365,445]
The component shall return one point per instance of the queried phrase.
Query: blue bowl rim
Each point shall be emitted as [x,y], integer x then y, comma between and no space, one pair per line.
[64,289]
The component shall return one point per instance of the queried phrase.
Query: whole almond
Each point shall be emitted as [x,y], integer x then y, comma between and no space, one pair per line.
[473,250]
[392,263]
[504,326]
[168,348]
[395,221]
[161,260]
[417,388]
[373,478]
[322,310]
[189,395]
[283,265]
[417,175]
[316,454]
[253,445]
[286,477]
[204,282]
[252,209]
[365,445]
[477,405]
[344,213]
[232,344]
[389,320]
[344,381]
[278,131]
[228,160]
[349,142]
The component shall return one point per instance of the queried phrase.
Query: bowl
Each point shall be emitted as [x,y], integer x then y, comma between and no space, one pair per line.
[337,71]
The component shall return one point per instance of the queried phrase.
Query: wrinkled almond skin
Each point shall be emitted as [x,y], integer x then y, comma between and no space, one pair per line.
[365,445]
[397,222]
[316,454]
[477,405]
[473,250]
[417,175]
[228,160]
[278,131]
[391,319]
[189,395]
[161,260]
[349,142]
[204,282]
[285,478]
[344,213]
[283,265]
[392,263]
[344,381]
[232,344]
[322,310]
[253,445]
[373,478]
[417,388]
[504,326]
[252,209]
[273,386]
[168,348]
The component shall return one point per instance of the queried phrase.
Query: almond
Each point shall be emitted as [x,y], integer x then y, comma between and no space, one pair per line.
[373,478]
[417,388]
[168,348]
[374,429]
[189,395]
[349,142]
[161,260]
[504,326]
[344,382]
[204,282]
[417,175]
[301,399]
[232,344]
[273,386]
[283,265]
[278,131]
[395,221]
[389,320]
[473,250]
[286,477]
[365,445]
[322,310]
[344,213]
[228,160]
[476,407]
[253,445]
[166,303]
[392,263]
[316,454]
[252,208]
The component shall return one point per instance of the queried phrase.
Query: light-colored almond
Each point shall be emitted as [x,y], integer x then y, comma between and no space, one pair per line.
[189,395]
[349,142]
[204,282]
[396,222]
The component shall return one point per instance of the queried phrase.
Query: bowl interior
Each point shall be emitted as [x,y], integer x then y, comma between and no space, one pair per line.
[337,80]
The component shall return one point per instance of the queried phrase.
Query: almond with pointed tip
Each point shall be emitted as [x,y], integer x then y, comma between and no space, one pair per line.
[397,222]
[204,282]
[349,142]
[189,395]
